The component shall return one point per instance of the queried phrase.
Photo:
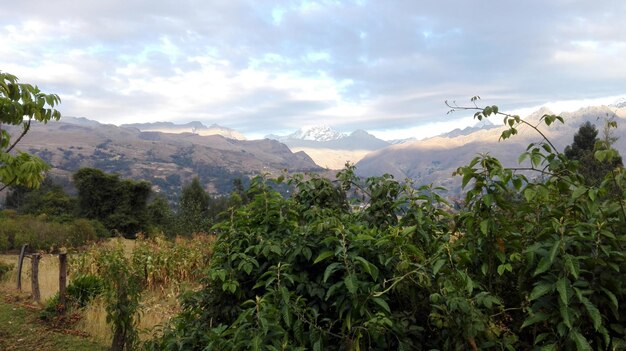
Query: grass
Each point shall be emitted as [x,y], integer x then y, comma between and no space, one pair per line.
[48,275]
[21,330]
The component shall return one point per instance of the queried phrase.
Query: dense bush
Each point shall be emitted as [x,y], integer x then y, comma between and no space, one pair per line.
[528,262]
[5,268]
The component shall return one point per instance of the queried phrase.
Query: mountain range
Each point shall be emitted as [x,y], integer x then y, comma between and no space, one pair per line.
[168,155]
[434,160]
[194,127]
[167,160]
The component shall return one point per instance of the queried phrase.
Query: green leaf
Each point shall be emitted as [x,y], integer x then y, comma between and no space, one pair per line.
[581,342]
[382,303]
[351,283]
[324,255]
[578,192]
[371,269]
[484,226]
[593,312]
[529,194]
[540,289]
[437,266]
[561,287]
[330,270]
[543,265]
[565,315]
[571,263]
[535,318]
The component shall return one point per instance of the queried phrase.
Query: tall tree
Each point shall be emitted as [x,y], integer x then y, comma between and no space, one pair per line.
[20,104]
[582,149]
[119,204]
[192,208]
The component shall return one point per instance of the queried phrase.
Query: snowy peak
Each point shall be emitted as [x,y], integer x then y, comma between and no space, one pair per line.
[317,133]
[619,103]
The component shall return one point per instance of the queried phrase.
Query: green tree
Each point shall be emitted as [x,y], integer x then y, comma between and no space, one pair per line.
[583,148]
[20,104]
[160,215]
[49,199]
[192,208]
[119,204]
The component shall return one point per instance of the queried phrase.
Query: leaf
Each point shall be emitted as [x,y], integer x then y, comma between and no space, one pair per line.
[580,341]
[437,266]
[529,194]
[561,287]
[351,283]
[371,269]
[593,312]
[330,270]
[536,318]
[543,265]
[324,255]
[540,289]
[484,226]
[382,303]
[578,192]
[571,263]
[565,315]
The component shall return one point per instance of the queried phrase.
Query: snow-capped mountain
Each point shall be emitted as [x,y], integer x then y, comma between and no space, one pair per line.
[619,103]
[316,133]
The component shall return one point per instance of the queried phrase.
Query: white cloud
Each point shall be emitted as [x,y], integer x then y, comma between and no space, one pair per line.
[273,66]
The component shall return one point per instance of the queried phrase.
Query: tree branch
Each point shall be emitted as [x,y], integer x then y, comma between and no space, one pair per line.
[26,128]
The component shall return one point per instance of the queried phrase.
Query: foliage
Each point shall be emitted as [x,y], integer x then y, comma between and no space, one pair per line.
[120,205]
[80,291]
[5,268]
[198,211]
[525,263]
[42,234]
[154,263]
[160,216]
[586,143]
[49,199]
[192,209]
[20,104]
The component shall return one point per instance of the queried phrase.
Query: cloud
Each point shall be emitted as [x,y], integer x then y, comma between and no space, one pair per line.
[276,65]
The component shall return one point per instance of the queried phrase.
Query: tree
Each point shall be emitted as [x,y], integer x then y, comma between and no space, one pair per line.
[160,215]
[583,148]
[119,204]
[192,208]
[49,199]
[20,104]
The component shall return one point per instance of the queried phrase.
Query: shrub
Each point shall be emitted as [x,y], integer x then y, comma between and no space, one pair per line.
[5,269]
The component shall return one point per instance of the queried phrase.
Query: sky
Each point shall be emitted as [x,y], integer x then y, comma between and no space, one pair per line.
[273,66]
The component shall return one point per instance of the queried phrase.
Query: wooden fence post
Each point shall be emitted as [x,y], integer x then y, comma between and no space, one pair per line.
[35,277]
[20,262]
[62,279]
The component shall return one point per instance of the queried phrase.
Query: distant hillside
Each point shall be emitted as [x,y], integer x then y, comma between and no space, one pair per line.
[166,160]
[434,160]
[194,127]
